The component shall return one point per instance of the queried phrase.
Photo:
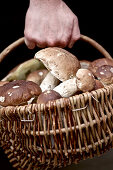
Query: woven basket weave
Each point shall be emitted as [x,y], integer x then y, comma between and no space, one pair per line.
[38,136]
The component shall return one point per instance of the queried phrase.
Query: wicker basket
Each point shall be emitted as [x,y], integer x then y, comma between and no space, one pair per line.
[64,132]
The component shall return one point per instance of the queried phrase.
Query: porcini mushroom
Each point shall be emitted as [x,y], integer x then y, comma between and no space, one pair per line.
[61,63]
[84,81]
[49,82]
[100,62]
[18,92]
[105,74]
[48,95]
[37,76]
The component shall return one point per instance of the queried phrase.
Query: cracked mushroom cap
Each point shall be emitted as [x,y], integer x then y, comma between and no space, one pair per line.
[18,92]
[61,63]
[100,62]
[37,76]
[48,95]
[105,74]
[85,80]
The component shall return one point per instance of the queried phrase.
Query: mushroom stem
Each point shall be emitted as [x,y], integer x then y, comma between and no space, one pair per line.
[49,82]
[67,88]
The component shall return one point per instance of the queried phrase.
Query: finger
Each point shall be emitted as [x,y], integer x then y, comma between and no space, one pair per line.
[30,44]
[75,34]
[62,43]
[52,42]
[57,43]
[65,39]
[40,42]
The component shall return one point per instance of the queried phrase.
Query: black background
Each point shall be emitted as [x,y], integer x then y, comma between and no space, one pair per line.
[95,21]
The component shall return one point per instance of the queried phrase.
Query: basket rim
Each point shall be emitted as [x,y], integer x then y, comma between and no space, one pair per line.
[51,103]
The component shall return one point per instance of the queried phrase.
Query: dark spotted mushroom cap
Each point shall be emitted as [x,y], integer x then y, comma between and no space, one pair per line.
[100,62]
[48,95]
[37,76]
[18,92]
[105,74]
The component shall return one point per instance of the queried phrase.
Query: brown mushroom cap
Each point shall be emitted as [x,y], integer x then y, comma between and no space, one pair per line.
[85,80]
[105,74]
[98,85]
[18,92]
[85,64]
[37,76]
[48,95]
[100,62]
[61,63]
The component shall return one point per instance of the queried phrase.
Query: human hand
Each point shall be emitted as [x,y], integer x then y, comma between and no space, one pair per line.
[50,23]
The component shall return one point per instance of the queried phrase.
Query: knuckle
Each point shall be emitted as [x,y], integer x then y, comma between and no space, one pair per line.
[30,45]
[76,19]
[76,36]
[40,43]
[51,42]
[65,39]
[63,42]
[28,35]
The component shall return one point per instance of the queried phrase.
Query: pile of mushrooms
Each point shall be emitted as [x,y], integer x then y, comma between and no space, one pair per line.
[52,74]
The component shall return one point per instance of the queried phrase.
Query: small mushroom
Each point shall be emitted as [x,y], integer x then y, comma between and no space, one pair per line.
[18,92]
[48,95]
[84,81]
[105,74]
[100,62]
[61,63]
[98,85]
[37,76]
[49,82]
[85,64]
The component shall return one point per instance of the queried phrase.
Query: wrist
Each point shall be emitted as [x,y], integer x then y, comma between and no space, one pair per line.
[44,2]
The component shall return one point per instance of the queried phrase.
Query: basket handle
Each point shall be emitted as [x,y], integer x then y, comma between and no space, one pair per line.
[96,45]
[20,41]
